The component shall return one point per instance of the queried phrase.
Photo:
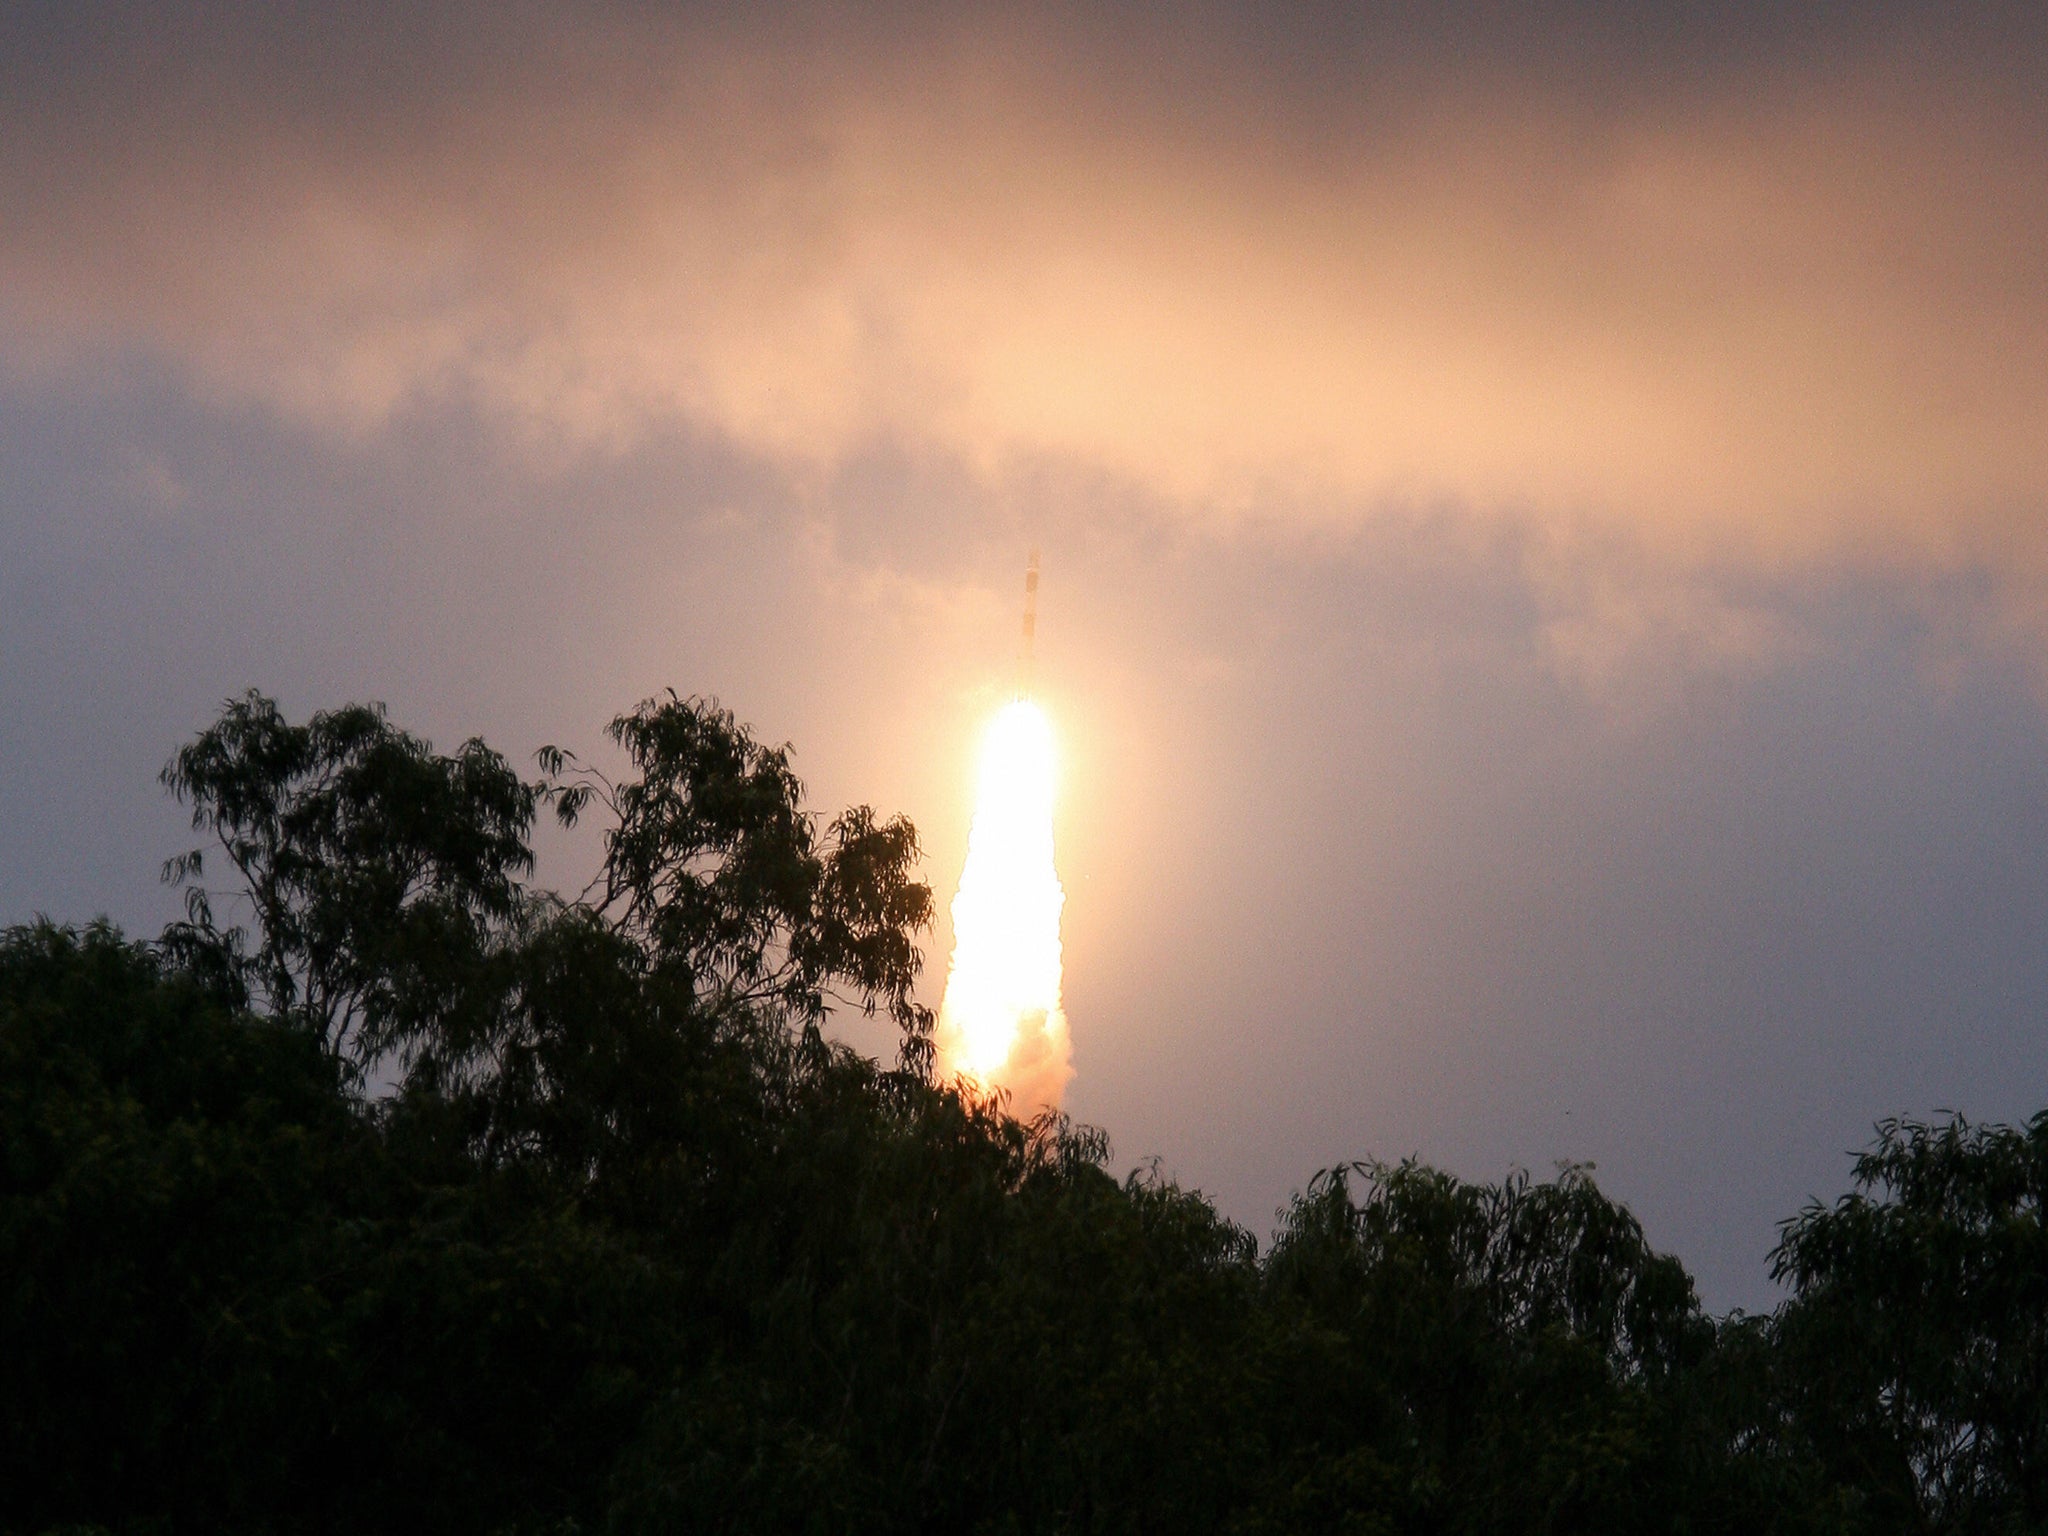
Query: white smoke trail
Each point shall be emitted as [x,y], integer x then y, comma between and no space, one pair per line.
[1001,1024]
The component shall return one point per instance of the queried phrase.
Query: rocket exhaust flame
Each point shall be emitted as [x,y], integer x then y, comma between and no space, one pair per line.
[1001,1024]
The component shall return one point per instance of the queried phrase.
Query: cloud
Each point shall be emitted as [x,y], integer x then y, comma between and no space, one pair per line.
[1781,314]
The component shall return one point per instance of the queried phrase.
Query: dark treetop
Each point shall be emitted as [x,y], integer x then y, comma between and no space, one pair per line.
[423,1198]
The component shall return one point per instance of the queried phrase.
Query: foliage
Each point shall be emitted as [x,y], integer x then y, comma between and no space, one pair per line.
[1518,1343]
[378,873]
[1918,1336]
[713,867]
[434,1199]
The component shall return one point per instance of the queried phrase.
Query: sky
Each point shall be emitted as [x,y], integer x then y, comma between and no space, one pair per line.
[1541,507]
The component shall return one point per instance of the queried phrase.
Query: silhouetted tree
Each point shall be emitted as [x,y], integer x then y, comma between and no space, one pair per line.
[1916,1343]
[713,867]
[425,1197]
[379,875]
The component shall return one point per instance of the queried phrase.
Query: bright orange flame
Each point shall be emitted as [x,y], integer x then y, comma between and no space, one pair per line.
[1001,1025]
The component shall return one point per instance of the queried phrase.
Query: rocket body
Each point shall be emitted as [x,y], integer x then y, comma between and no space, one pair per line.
[1030,627]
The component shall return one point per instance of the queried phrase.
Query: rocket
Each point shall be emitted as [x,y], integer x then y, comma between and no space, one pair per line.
[1030,627]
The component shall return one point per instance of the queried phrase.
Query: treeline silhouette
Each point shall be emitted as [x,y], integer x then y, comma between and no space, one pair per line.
[416,1197]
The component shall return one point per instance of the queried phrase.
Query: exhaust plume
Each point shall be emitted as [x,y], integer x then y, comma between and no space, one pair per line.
[1001,1025]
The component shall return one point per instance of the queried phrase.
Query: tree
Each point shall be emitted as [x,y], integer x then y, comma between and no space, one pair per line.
[432,1191]
[1485,1357]
[169,1173]
[390,917]
[715,870]
[381,876]
[1916,1342]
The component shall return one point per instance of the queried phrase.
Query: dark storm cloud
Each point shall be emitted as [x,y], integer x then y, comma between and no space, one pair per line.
[1734,284]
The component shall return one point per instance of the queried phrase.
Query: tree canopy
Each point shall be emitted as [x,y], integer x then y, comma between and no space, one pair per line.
[389,1189]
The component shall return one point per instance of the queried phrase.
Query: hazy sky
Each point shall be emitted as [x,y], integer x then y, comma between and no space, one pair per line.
[1543,514]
